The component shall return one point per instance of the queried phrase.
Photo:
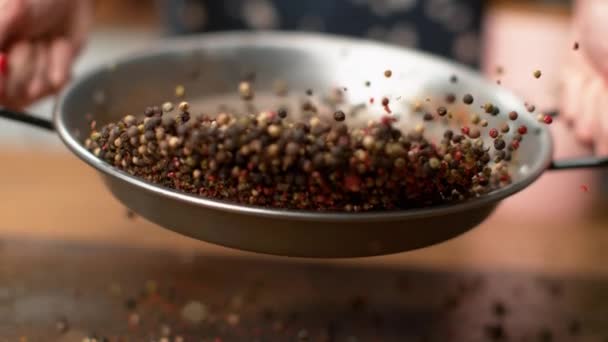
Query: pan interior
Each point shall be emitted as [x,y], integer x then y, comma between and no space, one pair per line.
[210,67]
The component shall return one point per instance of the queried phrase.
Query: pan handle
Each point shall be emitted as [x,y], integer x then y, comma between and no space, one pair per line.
[27,118]
[577,163]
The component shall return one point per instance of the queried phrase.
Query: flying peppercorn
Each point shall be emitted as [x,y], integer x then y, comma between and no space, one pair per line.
[339,116]
[468,99]
[522,130]
[168,107]
[282,113]
[388,73]
[442,111]
[245,90]
[513,115]
[450,98]
[493,133]
[537,74]
[547,119]
[488,108]
[499,144]
[180,91]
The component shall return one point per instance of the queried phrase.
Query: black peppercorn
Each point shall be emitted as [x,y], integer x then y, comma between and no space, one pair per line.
[282,113]
[468,99]
[499,144]
[339,115]
[442,111]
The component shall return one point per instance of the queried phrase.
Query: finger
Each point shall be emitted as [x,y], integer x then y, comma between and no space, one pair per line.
[585,124]
[61,55]
[45,17]
[574,79]
[20,60]
[12,15]
[80,24]
[601,134]
[39,85]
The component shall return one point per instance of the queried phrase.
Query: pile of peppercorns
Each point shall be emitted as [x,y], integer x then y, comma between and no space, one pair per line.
[303,160]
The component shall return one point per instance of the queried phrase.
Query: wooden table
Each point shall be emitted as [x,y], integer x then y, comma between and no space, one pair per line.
[69,251]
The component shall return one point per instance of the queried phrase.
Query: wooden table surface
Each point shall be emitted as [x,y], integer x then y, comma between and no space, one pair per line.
[65,241]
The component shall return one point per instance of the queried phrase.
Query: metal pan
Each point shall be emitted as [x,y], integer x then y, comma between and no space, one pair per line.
[211,65]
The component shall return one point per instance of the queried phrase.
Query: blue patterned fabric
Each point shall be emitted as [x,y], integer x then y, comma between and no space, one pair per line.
[449,28]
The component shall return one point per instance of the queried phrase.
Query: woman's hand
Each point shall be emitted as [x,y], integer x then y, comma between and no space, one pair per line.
[39,40]
[585,76]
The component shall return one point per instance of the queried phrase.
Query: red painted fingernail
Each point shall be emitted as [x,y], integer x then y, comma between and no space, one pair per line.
[3,64]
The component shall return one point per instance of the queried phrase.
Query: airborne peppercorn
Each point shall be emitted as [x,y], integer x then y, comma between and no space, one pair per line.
[468,99]
[339,115]
[442,111]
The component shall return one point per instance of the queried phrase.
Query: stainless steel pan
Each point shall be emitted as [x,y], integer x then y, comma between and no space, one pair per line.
[211,65]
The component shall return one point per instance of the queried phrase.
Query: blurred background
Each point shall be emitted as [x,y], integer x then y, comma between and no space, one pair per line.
[553,228]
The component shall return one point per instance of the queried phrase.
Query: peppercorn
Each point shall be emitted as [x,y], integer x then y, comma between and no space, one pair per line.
[180,91]
[575,46]
[428,117]
[499,144]
[474,133]
[149,112]
[183,106]
[454,79]
[246,91]
[574,327]
[545,335]
[537,74]
[547,119]
[388,73]
[468,99]
[504,128]
[368,83]
[488,108]
[385,101]
[442,111]
[475,119]
[282,112]
[167,107]
[493,133]
[309,92]
[339,115]
[495,332]
[499,309]
[450,98]
[513,115]
[522,130]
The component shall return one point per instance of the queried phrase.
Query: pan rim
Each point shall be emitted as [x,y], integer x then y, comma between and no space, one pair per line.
[285,39]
